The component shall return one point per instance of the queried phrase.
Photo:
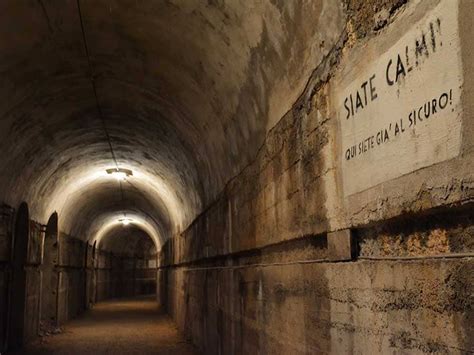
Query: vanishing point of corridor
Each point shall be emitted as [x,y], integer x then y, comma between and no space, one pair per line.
[233,177]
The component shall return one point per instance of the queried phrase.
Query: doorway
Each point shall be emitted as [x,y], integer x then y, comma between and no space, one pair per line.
[16,329]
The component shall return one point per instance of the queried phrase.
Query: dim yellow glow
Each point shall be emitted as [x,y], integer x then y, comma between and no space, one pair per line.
[65,197]
[136,219]
[125,221]
[119,175]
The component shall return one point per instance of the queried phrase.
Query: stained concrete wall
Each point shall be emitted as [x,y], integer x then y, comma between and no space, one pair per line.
[88,276]
[259,270]
[50,277]
[64,281]
[71,278]
[125,276]
[280,300]
[30,271]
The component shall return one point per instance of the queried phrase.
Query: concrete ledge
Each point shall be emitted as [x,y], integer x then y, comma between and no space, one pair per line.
[341,245]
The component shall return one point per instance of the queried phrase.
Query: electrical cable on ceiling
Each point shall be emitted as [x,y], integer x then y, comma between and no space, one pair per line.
[94,88]
[91,75]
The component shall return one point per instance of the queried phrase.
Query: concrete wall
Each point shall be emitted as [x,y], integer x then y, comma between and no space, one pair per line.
[320,308]
[33,281]
[262,269]
[280,300]
[87,277]
[71,276]
[65,280]
[24,272]
[124,276]
[50,277]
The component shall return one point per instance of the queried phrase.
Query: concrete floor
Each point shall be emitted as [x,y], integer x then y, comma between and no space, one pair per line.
[130,326]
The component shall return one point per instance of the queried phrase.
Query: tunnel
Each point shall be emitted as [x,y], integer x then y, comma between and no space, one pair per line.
[236,177]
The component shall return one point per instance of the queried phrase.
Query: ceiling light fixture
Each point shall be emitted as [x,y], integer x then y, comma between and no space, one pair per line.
[119,173]
[125,221]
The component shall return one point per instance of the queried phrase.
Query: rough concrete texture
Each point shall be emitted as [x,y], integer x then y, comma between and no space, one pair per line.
[367,17]
[227,113]
[433,234]
[293,190]
[200,76]
[341,245]
[363,307]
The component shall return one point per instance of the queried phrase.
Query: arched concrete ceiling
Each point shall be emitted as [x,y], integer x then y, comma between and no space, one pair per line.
[128,240]
[107,222]
[186,88]
[102,201]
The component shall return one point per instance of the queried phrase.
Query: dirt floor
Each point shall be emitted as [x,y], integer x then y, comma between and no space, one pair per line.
[132,326]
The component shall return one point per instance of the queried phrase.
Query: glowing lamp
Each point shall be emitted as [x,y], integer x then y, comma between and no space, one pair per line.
[125,221]
[119,173]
